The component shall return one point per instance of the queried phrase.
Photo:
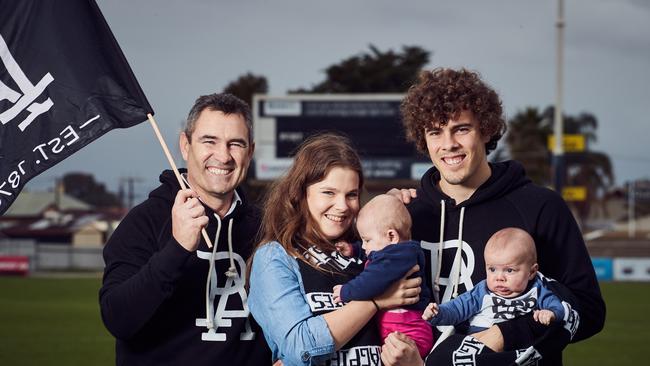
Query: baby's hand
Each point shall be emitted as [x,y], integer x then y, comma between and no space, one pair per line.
[345,248]
[430,311]
[337,294]
[544,316]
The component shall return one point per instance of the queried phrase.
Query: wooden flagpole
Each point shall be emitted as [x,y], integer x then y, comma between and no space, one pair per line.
[170,159]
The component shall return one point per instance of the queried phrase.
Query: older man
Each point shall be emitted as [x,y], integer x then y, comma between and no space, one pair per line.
[166,297]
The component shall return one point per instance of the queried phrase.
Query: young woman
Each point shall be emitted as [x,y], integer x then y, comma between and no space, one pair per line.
[296,265]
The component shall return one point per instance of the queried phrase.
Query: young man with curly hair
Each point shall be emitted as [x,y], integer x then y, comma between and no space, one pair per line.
[457,119]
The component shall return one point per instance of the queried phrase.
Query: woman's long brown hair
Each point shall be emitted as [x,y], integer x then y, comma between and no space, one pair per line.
[286,217]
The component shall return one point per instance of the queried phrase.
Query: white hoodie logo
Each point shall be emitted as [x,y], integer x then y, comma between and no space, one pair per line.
[467,264]
[233,286]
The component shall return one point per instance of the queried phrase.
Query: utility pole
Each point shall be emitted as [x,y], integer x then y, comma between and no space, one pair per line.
[558,151]
[130,192]
[631,199]
[58,192]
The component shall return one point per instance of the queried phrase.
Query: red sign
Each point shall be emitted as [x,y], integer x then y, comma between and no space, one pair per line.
[18,264]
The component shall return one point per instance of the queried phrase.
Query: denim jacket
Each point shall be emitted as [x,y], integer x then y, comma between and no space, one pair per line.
[277,302]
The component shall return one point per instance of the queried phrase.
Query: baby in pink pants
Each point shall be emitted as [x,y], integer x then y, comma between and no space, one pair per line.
[384,225]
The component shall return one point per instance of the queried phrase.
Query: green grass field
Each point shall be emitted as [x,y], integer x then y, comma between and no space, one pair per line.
[627,329]
[52,321]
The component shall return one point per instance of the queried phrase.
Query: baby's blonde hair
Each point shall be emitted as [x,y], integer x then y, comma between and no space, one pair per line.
[388,212]
[512,238]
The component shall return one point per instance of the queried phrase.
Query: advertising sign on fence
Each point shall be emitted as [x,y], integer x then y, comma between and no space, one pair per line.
[632,269]
[604,268]
[14,265]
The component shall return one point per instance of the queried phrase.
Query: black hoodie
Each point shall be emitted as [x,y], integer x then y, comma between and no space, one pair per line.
[508,199]
[153,298]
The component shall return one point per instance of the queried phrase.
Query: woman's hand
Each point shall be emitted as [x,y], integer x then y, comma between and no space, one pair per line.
[336,292]
[344,248]
[398,349]
[403,292]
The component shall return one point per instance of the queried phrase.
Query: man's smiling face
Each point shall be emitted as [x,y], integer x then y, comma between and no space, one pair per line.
[218,154]
[457,149]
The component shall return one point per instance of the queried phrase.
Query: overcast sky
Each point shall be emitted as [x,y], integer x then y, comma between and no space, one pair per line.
[179,50]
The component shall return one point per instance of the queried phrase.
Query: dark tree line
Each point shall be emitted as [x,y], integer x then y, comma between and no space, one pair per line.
[375,71]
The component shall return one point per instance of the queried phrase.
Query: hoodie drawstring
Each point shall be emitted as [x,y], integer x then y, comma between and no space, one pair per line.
[457,258]
[208,303]
[231,272]
[459,253]
[436,280]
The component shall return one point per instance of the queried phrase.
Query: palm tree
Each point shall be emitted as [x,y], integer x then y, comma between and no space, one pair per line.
[526,140]
[527,136]
[590,169]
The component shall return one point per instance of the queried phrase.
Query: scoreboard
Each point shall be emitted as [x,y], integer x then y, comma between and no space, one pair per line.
[371,121]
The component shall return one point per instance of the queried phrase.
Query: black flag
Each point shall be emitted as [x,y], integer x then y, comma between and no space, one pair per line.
[63,83]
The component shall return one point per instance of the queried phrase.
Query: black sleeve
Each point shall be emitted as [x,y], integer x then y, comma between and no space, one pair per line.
[142,267]
[563,256]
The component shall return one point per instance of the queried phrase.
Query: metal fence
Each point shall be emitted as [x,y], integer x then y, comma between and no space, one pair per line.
[53,257]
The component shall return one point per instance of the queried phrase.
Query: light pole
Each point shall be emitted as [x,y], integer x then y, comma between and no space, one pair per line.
[558,151]
[631,221]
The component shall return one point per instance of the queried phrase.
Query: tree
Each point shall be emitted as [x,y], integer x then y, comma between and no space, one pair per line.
[84,187]
[373,72]
[526,140]
[590,169]
[527,136]
[247,85]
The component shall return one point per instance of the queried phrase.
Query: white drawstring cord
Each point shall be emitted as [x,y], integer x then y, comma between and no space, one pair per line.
[459,253]
[208,310]
[436,281]
[232,271]
[448,330]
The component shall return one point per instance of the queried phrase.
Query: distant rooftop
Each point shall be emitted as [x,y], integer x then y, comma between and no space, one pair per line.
[34,203]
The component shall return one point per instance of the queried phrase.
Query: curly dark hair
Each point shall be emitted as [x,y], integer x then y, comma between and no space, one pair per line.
[441,95]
